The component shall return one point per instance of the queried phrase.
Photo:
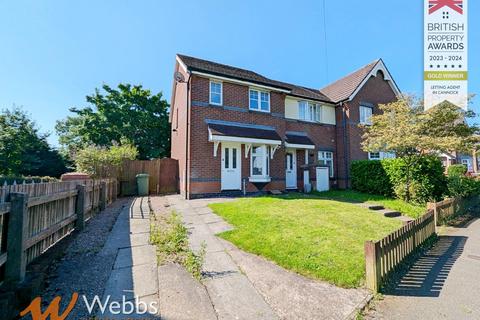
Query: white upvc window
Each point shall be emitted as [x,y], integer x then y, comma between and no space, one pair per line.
[380,155]
[309,111]
[366,115]
[259,100]
[259,163]
[326,158]
[374,156]
[216,93]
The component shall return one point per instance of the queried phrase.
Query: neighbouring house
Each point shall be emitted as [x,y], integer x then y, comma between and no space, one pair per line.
[469,160]
[235,131]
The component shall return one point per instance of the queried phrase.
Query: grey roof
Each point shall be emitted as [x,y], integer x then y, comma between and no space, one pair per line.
[298,139]
[343,88]
[196,64]
[243,132]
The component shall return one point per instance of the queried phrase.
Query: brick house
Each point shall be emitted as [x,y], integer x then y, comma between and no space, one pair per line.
[245,133]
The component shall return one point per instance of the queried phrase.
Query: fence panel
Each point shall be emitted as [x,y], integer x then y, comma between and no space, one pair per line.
[49,214]
[383,256]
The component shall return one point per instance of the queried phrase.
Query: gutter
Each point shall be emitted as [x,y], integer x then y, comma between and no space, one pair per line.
[345,142]
[187,134]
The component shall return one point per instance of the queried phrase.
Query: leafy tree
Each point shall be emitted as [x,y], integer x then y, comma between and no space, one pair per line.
[101,162]
[404,127]
[23,150]
[129,113]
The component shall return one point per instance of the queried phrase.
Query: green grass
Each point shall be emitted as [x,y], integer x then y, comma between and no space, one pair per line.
[318,238]
[405,208]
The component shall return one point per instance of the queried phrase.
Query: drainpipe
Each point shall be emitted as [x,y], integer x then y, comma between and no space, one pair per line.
[345,141]
[187,134]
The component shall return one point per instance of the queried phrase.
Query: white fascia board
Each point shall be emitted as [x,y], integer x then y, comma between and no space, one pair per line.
[213,138]
[180,62]
[211,76]
[387,77]
[299,146]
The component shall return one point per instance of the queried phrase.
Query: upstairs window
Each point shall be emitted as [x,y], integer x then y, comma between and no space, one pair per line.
[309,111]
[366,115]
[215,92]
[259,100]
[326,158]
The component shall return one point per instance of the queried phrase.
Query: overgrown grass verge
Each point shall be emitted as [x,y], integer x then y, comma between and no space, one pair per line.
[408,209]
[171,238]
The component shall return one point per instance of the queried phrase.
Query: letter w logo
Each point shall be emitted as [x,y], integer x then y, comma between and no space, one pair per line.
[35,308]
[435,5]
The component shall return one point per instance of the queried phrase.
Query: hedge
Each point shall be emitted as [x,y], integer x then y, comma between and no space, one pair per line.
[456,170]
[388,177]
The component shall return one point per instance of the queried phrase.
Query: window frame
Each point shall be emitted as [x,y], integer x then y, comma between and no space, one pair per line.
[212,81]
[374,158]
[265,156]
[313,111]
[326,159]
[365,121]
[259,100]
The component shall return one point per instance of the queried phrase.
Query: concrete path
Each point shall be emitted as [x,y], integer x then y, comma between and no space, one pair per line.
[239,285]
[134,274]
[443,284]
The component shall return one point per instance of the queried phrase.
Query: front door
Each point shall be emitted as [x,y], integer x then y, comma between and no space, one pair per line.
[231,167]
[291,169]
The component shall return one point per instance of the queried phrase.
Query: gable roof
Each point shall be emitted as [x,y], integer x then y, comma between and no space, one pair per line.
[214,68]
[347,87]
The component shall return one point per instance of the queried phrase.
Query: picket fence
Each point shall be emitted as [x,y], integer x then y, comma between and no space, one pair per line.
[34,217]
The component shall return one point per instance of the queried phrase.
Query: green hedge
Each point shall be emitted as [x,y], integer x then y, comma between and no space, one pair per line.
[457,170]
[370,177]
[388,177]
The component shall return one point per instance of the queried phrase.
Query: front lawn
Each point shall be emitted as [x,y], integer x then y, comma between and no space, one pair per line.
[315,237]
[408,209]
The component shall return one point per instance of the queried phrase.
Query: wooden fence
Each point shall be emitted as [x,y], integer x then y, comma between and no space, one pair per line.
[449,209]
[383,256]
[163,175]
[33,217]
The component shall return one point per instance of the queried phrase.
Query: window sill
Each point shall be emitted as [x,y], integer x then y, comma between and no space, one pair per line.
[259,179]
[259,111]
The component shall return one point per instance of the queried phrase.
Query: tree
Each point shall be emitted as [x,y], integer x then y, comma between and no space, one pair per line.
[410,132]
[101,162]
[129,113]
[23,150]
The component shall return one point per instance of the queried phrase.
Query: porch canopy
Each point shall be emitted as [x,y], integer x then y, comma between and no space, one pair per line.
[243,134]
[298,141]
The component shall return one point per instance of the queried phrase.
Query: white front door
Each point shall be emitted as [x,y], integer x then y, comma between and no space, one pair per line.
[231,167]
[323,179]
[291,169]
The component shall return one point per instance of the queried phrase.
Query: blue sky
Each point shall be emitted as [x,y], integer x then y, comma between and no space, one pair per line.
[54,52]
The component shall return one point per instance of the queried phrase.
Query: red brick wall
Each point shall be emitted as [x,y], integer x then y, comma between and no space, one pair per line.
[376,91]
[204,166]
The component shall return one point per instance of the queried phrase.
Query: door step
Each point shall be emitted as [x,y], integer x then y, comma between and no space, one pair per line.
[276,192]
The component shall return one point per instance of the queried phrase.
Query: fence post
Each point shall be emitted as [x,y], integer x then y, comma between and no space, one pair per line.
[16,237]
[115,190]
[80,207]
[103,195]
[372,264]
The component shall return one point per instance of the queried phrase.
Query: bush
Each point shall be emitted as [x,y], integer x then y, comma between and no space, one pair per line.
[370,177]
[456,170]
[388,177]
[20,179]
[461,186]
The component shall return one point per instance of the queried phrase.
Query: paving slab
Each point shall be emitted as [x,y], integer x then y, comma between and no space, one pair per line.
[181,296]
[296,297]
[137,255]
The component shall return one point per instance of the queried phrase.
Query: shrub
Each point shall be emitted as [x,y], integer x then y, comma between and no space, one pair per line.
[28,179]
[457,170]
[461,186]
[389,177]
[370,177]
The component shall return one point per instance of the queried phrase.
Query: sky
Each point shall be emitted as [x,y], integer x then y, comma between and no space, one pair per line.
[54,52]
